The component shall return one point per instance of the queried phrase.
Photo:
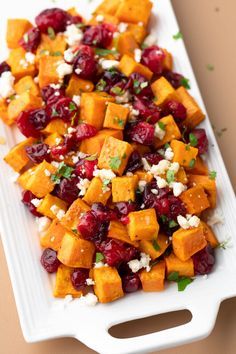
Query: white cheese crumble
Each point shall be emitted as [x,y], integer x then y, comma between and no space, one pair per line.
[99,18]
[124,98]
[47,173]
[55,86]
[137,55]
[83,186]
[146,165]
[160,168]
[129,174]
[55,164]
[76,99]
[69,55]
[104,174]
[159,133]
[71,130]
[188,221]
[174,166]
[90,281]
[99,265]
[141,185]
[43,223]
[161,182]
[64,69]
[36,202]
[122,27]
[6,84]
[78,71]
[57,211]
[150,40]
[36,79]
[108,64]
[73,35]
[169,154]
[89,299]
[178,188]
[135,265]
[30,57]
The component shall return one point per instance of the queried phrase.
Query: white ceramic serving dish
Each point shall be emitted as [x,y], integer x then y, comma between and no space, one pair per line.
[43,317]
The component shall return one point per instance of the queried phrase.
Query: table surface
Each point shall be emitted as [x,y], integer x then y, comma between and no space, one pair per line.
[209,30]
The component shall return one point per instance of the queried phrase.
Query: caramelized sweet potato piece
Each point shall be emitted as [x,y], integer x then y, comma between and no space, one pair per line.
[118,231]
[63,284]
[199,168]
[208,184]
[143,225]
[52,207]
[95,192]
[51,47]
[138,31]
[163,91]
[27,84]
[123,188]
[16,28]
[155,248]
[17,157]
[184,154]
[129,66]
[4,114]
[19,66]
[168,60]
[209,235]
[116,116]
[195,200]
[53,139]
[53,236]
[71,218]
[126,44]
[134,11]
[171,131]
[56,126]
[23,102]
[174,264]
[77,85]
[108,7]
[143,176]
[154,279]
[48,70]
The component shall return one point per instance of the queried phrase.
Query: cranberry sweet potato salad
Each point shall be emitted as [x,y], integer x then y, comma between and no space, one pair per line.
[111,163]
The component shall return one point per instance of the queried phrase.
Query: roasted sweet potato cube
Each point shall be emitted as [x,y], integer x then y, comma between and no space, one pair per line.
[188,242]
[174,264]
[123,188]
[143,225]
[155,248]
[199,168]
[208,184]
[23,102]
[138,31]
[77,85]
[184,154]
[40,182]
[17,157]
[171,131]
[209,235]
[96,192]
[63,284]
[126,44]
[53,139]
[181,176]
[94,145]
[19,66]
[27,84]
[144,176]
[24,177]
[195,200]
[76,252]
[51,47]
[108,7]
[194,113]
[53,235]
[129,66]
[108,285]
[134,11]
[71,218]
[142,149]
[48,70]
[16,28]
[168,60]
[4,114]
[106,19]
[116,116]
[154,279]
[93,107]
[56,126]
[118,231]
[114,155]
[163,91]
[52,206]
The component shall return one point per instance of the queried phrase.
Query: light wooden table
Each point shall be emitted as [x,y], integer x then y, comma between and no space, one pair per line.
[209,30]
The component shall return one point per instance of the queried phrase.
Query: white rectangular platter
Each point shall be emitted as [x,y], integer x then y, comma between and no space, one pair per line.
[43,317]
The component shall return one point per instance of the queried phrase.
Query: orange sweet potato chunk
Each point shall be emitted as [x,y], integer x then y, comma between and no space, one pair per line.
[199,168]
[17,157]
[56,126]
[134,11]
[129,66]
[77,85]
[171,131]
[188,242]
[124,188]
[40,182]
[27,84]
[52,206]
[53,236]
[16,28]
[184,154]
[195,200]
[25,176]
[142,149]
[209,235]
[63,285]
[168,60]
[208,184]
[108,285]
[71,218]
[3,113]
[48,70]
[106,19]
[155,248]
[96,193]
[53,139]
[107,7]
[174,264]
[23,102]
[118,231]
[51,47]
[163,91]
[126,44]
[116,116]
[143,225]
[19,66]
[154,279]
[138,31]
[143,176]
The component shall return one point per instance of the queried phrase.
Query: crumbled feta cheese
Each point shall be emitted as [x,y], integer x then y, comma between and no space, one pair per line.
[90,281]
[137,55]
[75,159]
[159,133]
[215,218]
[6,84]
[76,99]
[146,165]
[122,27]
[108,64]
[73,35]
[161,182]
[71,130]
[141,185]
[154,191]
[64,69]
[43,223]
[30,57]
[194,221]
[129,174]
[69,55]
[135,265]
[57,211]
[150,40]
[57,142]
[116,34]
[23,63]
[160,168]
[99,18]
[169,154]
[174,166]
[36,202]
[124,98]
[188,221]
[134,112]
[205,276]
[183,222]
[36,79]
[89,299]
[60,214]
[47,173]
[83,186]
[78,71]
[55,86]
[178,188]
[104,174]
[99,265]
[55,164]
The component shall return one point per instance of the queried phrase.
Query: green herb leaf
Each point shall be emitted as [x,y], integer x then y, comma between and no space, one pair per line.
[103,52]
[185,83]
[56,54]
[119,121]
[99,257]
[155,245]
[62,171]
[170,176]
[212,175]
[144,45]
[55,178]
[192,163]
[101,85]
[166,146]
[187,147]
[183,283]
[161,125]
[163,218]
[210,67]
[115,162]
[12,97]
[54,112]
[193,139]
[143,84]
[75,231]
[51,33]
[224,244]
[117,91]
[172,224]
[72,107]
[173,276]
[178,35]
[91,157]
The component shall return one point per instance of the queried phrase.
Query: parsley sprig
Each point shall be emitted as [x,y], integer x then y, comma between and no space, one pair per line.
[115,162]
[182,282]
[62,171]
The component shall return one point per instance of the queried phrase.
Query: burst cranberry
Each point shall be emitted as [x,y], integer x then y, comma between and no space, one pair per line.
[147,110]
[38,152]
[85,131]
[85,64]
[124,208]
[88,225]
[204,260]
[176,207]
[176,109]
[149,198]
[49,260]
[140,86]
[52,18]
[31,122]
[153,157]
[78,278]
[162,206]
[110,79]
[199,139]
[153,58]
[75,20]
[64,148]
[130,283]
[67,190]
[116,252]
[103,213]
[64,108]
[84,168]
[142,133]
[99,35]
[51,95]
[31,40]
[4,67]
[27,196]
[134,162]
[175,79]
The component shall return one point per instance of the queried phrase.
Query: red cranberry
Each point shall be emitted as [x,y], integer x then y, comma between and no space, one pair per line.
[176,207]
[75,20]
[140,86]
[142,133]
[64,108]
[125,220]
[199,139]
[78,278]
[150,199]
[88,225]
[111,78]
[124,208]
[99,35]
[174,79]
[27,196]
[4,67]
[85,131]
[54,18]
[153,58]
[31,40]
[49,260]
[67,190]
[85,64]
[176,109]
[51,95]
[38,152]
[103,213]
[148,110]
[204,260]
[153,157]
[134,162]
[130,283]
[84,168]
[116,252]
[31,122]
[64,148]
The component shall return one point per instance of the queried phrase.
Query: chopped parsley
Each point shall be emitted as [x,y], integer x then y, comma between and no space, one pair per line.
[72,107]
[177,36]
[51,33]
[166,146]
[172,224]
[185,83]
[101,85]
[105,183]
[155,245]
[54,112]
[119,121]
[144,45]
[117,91]
[163,218]
[170,176]
[99,257]
[224,244]
[115,162]
[161,125]
[182,282]
[103,52]
[75,231]
[56,54]
[187,147]
[193,139]
[212,175]
[210,67]
[192,163]
[62,171]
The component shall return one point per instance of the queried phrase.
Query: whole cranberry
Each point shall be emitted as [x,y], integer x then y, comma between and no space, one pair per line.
[124,208]
[38,152]
[109,79]
[27,197]
[49,260]
[64,108]
[130,282]
[153,158]
[88,225]
[174,79]
[51,94]
[147,109]
[85,168]
[85,131]
[4,67]
[78,278]
[134,162]
[176,109]
[142,133]
[85,64]
[140,86]
[69,144]
[116,252]
[75,20]
[67,190]
[99,35]
[31,122]
[204,260]
[31,39]
[54,18]
[153,58]
[198,138]
[176,207]
[103,213]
